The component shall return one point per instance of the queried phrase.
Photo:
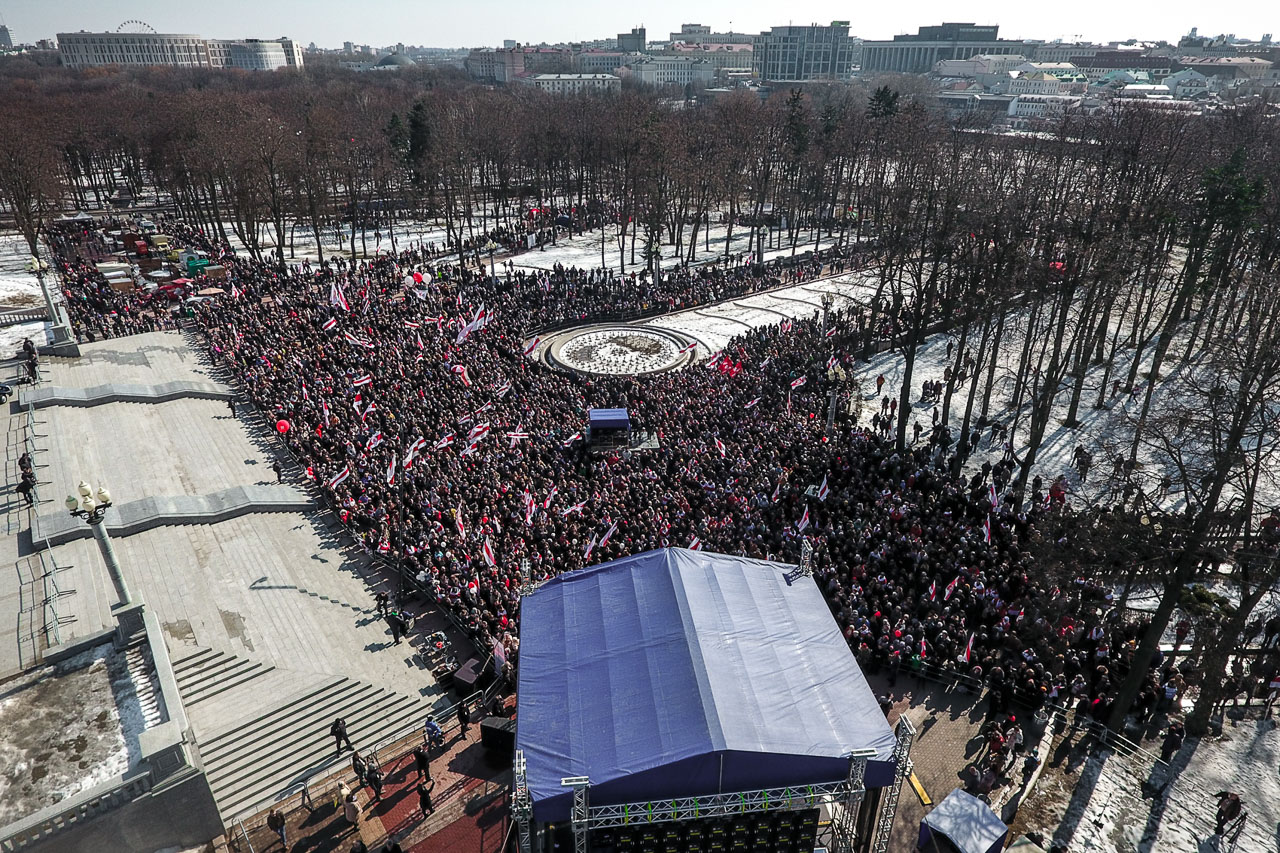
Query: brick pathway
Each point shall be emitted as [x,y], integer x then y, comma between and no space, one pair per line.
[470,798]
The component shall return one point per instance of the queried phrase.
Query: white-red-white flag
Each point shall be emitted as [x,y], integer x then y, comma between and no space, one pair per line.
[374,441]
[696,544]
[478,432]
[391,471]
[693,345]
[457,519]
[786,325]
[591,546]
[576,508]
[531,346]
[951,587]
[720,446]
[804,520]
[968,649]
[444,442]
[796,383]
[412,454]
[360,342]
[338,478]
[502,389]
[330,324]
[366,379]
[822,490]
[460,370]
[608,534]
[337,297]
[551,495]
[752,404]
[571,439]
[487,551]
[777,492]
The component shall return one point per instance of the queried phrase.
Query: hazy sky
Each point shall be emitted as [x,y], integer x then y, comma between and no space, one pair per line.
[439,23]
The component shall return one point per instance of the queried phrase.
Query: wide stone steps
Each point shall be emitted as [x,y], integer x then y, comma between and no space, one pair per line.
[209,672]
[280,740]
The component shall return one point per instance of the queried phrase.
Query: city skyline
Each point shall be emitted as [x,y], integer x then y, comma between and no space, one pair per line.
[330,23]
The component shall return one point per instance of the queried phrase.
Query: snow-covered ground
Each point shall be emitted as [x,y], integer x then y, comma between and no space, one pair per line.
[1118,804]
[65,730]
[19,288]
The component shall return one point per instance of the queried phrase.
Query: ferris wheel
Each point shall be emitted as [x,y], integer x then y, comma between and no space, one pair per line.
[134,26]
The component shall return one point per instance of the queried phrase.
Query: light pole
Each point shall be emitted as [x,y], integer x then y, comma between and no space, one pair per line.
[61,332]
[491,247]
[128,614]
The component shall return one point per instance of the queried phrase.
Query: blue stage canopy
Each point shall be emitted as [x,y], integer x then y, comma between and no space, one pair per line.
[678,673]
[967,822]
[608,419]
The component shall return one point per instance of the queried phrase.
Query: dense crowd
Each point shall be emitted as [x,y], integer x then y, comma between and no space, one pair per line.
[406,394]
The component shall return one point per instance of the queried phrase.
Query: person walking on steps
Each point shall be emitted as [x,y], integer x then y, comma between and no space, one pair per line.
[1229,808]
[339,732]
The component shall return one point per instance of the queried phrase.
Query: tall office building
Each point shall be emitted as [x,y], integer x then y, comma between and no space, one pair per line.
[804,54]
[632,42]
[6,39]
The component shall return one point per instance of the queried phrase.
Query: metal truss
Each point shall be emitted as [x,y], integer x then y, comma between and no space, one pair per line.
[902,769]
[723,805]
[522,805]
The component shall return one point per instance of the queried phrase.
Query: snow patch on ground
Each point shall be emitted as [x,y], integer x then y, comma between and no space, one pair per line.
[67,729]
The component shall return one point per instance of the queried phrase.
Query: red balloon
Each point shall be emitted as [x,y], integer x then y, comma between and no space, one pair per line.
[282,427]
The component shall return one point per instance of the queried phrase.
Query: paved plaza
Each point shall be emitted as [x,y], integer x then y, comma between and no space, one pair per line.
[269,616]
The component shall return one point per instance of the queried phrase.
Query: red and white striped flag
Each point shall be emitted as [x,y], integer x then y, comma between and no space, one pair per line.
[360,342]
[499,657]
[457,520]
[831,332]
[338,478]
[804,520]
[384,547]
[469,449]
[832,362]
[366,379]
[752,404]
[531,346]
[417,336]
[968,649]
[822,490]
[517,435]
[330,324]
[608,534]
[444,442]
[951,587]
[696,544]
[796,383]
[576,508]
[409,324]
[551,495]
[461,371]
[693,345]
[786,325]
[374,441]
[324,411]
[777,491]
[986,530]
[591,546]
[412,454]
[391,471]
[373,407]
[478,432]
[502,389]
[933,589]
[991,494]
[337,297]
[487,551]
[720,447]
[305,395]
[571,439]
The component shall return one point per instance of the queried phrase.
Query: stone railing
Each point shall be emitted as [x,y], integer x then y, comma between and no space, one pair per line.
[168,771]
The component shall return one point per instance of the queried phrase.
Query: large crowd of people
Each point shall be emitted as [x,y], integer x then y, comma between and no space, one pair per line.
[406,393]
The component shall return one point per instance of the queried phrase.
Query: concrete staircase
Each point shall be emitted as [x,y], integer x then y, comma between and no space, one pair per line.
[284,739]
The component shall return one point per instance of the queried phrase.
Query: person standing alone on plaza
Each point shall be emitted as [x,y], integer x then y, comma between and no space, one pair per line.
[424,797]
[276,823]
[464,718]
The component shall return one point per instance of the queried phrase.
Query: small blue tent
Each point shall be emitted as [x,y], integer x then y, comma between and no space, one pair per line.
[679,673]
[967,822]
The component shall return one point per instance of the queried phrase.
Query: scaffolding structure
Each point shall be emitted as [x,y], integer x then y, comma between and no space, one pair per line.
[902,769]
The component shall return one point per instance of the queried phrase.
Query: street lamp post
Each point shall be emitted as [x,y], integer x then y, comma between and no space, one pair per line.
[128,614]
[61,332]
[491,247]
